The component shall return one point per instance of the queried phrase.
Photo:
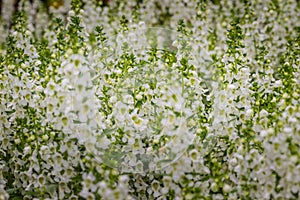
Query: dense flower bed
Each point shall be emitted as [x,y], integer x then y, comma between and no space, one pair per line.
[146,99]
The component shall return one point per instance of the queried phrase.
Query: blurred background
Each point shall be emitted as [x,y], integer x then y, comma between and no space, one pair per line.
[47,3]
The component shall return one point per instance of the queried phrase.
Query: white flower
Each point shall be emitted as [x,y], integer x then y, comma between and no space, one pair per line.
[27,150]
[113,99]
[249,112]
[214,187]
[51,87]
[103,142]
[3,194]
[263,113]
[121,113]
[226,188]
[88,180]
[128,99]
[139,123]
[194,155]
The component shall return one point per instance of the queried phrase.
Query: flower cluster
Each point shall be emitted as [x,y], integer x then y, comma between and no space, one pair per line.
[147,99]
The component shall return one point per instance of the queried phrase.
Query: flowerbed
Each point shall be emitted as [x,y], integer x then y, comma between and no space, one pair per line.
[150,99]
